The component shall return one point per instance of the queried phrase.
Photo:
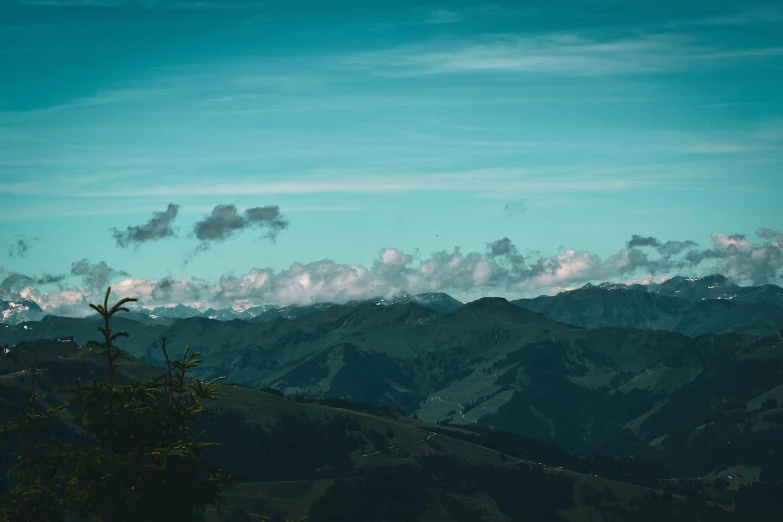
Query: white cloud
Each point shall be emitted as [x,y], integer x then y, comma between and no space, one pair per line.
[501,270]
[555,53]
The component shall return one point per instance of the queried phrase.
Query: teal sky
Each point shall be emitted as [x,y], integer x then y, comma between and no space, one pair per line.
[405,126]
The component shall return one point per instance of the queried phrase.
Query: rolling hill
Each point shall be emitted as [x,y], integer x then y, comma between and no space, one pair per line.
[350,462]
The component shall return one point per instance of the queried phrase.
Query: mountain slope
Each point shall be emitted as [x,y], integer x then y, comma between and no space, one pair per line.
[15,312]
[717,286]
[298,458]
[603,306]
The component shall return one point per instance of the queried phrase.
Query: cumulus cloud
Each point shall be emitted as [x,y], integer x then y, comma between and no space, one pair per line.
[504,249]
[225,221]
[667,249]
[15,282]
[742,260]
[499,270]
[96,276]
[158,227]
[512,209]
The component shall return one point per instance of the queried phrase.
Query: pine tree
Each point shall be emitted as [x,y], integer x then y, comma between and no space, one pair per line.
[144,461]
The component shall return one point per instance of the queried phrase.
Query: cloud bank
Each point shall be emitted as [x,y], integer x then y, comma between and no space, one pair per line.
[500,270]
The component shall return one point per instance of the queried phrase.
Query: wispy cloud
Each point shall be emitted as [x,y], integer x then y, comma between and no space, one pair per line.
[443,16]
[749,17]
[555,53]
[99,99]
[501,181]
[515,208]
[21,246]
[148,4]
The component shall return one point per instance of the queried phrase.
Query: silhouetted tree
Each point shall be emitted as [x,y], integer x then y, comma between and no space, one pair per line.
[142,462]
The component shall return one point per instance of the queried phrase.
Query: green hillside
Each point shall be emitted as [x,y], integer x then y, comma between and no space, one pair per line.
[332,459]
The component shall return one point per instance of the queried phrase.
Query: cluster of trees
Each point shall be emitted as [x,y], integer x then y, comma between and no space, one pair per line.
[291,448]
[624,469]
[137,457]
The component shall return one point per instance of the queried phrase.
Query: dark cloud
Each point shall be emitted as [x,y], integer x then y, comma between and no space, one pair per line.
[20,246]
[267,217]
[225,221]
[513,209]
[695,257]
[672,248]
[96,276]
[667,249]
[158,227]
[773,235]
[500,247]
[504,248]
[741,260]
[640,241]
[10,286]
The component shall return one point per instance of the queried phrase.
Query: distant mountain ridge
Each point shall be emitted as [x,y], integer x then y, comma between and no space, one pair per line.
[693,306]
[717,286]
[689,306]
[437,301]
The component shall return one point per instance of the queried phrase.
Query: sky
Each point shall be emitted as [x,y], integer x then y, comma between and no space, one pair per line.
[233,152]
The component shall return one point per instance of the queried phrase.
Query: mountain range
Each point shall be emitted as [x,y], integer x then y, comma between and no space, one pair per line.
[699,405]
[677,307]
[693,306]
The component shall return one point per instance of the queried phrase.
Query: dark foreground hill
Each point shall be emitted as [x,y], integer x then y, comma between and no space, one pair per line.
[338,461]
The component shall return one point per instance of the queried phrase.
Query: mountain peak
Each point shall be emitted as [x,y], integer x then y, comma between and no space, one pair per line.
[17,311]
[714,278]
[492,304]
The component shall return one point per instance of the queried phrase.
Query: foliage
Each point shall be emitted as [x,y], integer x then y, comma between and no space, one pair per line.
[402,492]
[142,462]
